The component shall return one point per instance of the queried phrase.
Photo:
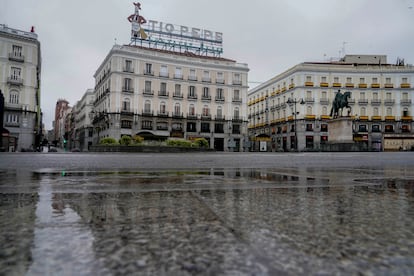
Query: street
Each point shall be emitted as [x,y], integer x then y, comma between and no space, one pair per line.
[207,213]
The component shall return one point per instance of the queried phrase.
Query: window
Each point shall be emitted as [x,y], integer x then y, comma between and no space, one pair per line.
[405,96]
[164,71]
[177,109]
[236,113]
[323,79]
[220,77]
[191,110]
[219,112]
[146,124]
[405,112]
[309,142]
[191,127]
[389,128]
[324,110]
[206,93]
[147,87]
[374,80]
[177,91]
[236,95]
[218,128]
[178,73]
[361,80]
[236,129]
[126,124]
[362,128]
[362,95]
[349,80]
[192,75]
[387,80]
[163,108]
[219,94]
[147,107]
[15,73]
[163,89]
[405,128]
[404,80]
[363,111]
[148,69]
[389,111]
[308,78]
[206,76]
[336,79]
[17,51]
[324,95]
[376,128]
[12,119]
[206,111]
[388,96]
[162,125]
[376,112]
[375,95]
[14,97]
[309,127]
[128,85]
[128,66]
[126,104]
[191,92]
[309,110]
[205,127]
[324,127]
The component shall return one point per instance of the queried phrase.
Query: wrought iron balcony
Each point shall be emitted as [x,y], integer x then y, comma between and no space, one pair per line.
[15,80]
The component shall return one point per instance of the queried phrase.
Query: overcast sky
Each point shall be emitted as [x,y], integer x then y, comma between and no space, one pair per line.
[269,35]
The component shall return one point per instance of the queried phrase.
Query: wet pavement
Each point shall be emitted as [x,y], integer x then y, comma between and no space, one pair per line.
[207,214]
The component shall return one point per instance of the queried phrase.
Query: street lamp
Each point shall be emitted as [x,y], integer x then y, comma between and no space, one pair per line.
[295,113]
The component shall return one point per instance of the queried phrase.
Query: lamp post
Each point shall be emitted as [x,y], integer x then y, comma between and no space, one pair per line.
[295,113]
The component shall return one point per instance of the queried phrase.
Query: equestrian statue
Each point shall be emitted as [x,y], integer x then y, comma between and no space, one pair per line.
[340,101]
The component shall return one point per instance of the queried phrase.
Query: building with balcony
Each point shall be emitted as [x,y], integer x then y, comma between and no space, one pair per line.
[20,64]
[295,105]
[82,126]
[159,94]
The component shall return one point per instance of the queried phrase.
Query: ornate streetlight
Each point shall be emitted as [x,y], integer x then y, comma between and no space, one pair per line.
[295,113]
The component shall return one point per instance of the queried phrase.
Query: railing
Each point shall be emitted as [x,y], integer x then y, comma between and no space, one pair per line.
[206,98]
[148,92]
[147,112]
[192,116]
[206,79]
[389,102]
[148,73]
[177,95]
[219,99]
[375,101]
[15,80]
[128,70]
[164,75]
[16,57]
[220,81]
[128,89]
[405,102]
[237,100]
[192,97]
[237,82]
[163,94]
[192,78]
[363,101]
[177,115]
[178,76]
[163,113]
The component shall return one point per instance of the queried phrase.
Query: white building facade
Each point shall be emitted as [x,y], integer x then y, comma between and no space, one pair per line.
[20,69]
[160,94]
[83,128]
[296,105]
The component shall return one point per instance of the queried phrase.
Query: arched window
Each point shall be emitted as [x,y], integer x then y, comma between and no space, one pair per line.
[14,97]
[363,111]
[163,108]
[324,110]
[219,112]
[236,113]
[376,113]
[206,110]
[191,110]
[309,110]
[147,106]
[126,104]
[389,111]
[177,109]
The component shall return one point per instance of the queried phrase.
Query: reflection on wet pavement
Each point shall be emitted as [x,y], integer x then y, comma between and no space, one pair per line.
[216,221]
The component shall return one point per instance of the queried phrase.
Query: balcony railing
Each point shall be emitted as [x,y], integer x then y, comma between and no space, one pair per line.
[205,117]
[405,85]
[178,76]
[164,75]
[148,92]
[206,98]
[324,84]
[177,115]
[309,83]
[206,79]
[192,78]
[375,102]
[337,84]
[15,80]
[237,82]
[389,102]
[128,89]
[375,85]
[16,57]
[220,118]
[363,101]
[405,102]
[362,85]
[309,100]
[236,100]
[147,112]
[389,85]
[148,72]
[220,81]
[163,94]
[178,96]
[163,113]
[128,70]
[324,101]
[219,99]
[192,97]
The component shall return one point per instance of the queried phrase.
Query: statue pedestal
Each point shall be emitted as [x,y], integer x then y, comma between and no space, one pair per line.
[340,132]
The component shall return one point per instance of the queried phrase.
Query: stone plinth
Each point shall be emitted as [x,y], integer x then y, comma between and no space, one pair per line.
[340,130]
[341,136]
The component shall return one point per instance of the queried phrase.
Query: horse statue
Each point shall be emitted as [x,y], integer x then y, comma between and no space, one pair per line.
[340,101]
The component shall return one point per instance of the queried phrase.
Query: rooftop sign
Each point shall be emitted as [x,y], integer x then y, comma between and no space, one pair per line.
[167,36]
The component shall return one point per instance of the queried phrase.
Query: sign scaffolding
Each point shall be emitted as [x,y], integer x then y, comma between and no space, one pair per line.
[166,36]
